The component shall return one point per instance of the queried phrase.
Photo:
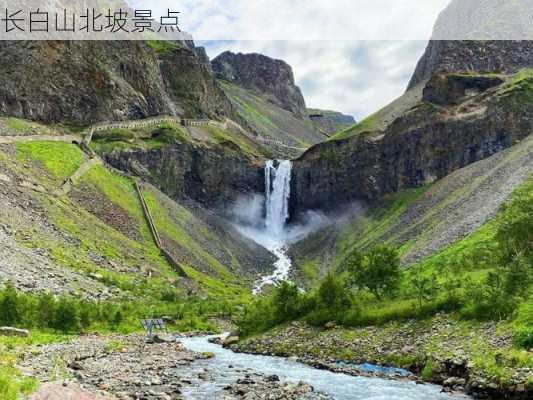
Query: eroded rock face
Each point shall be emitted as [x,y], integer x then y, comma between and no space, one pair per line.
[448,89]
[83,82]
[214,177]
[423,145]
[270,77]
[444,56]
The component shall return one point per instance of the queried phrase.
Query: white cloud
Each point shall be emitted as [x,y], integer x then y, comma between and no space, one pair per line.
[303,19]
[353,77]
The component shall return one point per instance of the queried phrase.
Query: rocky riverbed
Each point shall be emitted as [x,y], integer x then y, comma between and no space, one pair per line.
[477,359]
[127,367]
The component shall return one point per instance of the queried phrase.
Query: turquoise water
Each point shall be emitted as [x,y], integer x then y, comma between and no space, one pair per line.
[228,366]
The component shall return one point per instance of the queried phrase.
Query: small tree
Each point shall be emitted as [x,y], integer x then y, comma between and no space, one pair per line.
[46,309]
[379,271]
[67,318]
[9,305]
[425,287]
[333,294]
[286,300]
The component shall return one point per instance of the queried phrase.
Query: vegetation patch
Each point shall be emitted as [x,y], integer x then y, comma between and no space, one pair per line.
[61,160]
[163,47]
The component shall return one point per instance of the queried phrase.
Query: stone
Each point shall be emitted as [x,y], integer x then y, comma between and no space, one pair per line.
[230,340]
[163,338]
[330,325]
[9,331]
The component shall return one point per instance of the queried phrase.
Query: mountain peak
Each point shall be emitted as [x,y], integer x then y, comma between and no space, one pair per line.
[271,77]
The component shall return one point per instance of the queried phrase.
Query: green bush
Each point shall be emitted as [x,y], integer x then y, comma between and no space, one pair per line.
[168,134]
[114,135]
[72,315]
[378,270]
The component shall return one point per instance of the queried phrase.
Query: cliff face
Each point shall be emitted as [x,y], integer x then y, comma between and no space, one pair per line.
[426,143]
[472,56]
[213,177]
[85,82]
[263,74]
[479,36]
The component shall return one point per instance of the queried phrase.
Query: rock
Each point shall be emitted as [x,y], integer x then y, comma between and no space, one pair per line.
[9,331]
[330,122]
[163,338]
[272,378]
[230,340]
[151,84]
[330,325]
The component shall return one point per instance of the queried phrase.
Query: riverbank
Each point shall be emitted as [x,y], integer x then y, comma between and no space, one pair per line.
[463,356]
[126,367]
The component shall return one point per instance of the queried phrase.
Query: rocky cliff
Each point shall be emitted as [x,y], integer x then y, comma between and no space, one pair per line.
[267,76]
[425,143]
[472,56]
[479,36]
[213,177]
[85,82]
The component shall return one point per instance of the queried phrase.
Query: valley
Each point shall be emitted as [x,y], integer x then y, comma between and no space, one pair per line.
[291,252]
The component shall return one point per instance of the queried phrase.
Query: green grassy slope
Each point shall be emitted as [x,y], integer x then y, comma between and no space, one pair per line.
[423,221]
[270,121]
[99,230]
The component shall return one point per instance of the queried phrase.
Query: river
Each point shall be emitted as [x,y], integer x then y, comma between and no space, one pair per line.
[227,366]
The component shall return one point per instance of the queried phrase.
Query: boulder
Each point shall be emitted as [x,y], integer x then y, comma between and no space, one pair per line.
[9,331]
[163,338]
[230,340]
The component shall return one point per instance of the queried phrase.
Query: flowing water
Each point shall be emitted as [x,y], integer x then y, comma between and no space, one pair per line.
[226,367]
[272,233]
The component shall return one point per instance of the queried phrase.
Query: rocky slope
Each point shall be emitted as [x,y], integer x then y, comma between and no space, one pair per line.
[94,240]
[420,221]
[478,36]
[329,122]
[499,56]
[267,102]
[82,82]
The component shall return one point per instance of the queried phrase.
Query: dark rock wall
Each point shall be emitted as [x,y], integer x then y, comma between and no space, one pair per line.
[82,82]
[417,148]
[212,177]
[472,56]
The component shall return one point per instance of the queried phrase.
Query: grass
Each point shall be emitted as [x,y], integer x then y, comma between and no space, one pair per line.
[18,125]
[222,137]
[366,125]
[163,47]
[179,225]
[250,112]
[311,270]
[59,159]
[13,385]
[372,226]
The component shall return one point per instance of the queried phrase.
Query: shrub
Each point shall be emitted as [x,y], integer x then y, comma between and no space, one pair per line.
[377,270]
[114,135]
[169,134]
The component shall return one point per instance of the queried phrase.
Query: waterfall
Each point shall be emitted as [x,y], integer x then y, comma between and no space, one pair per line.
[277,194]
[269,226]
